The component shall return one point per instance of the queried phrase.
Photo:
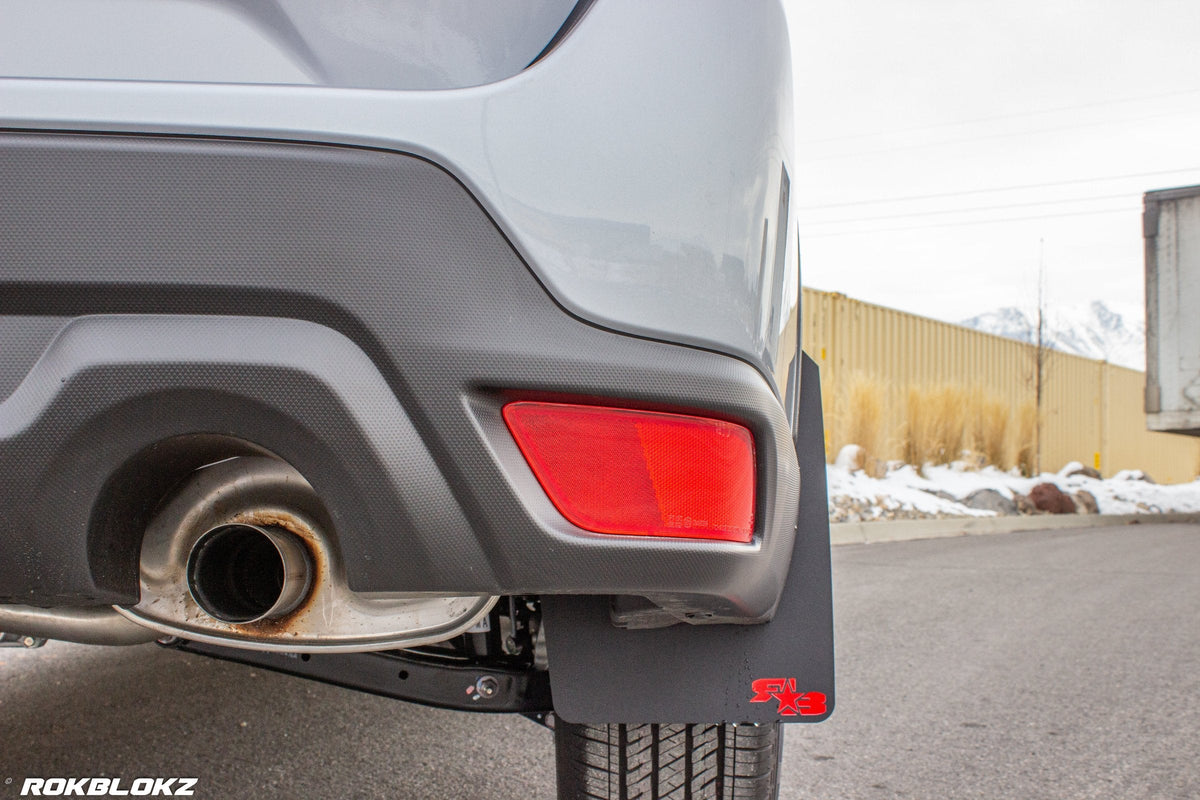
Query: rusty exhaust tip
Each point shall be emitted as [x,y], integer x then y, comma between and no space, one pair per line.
[246,573]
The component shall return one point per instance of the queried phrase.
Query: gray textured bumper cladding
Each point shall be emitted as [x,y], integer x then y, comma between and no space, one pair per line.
[353,312]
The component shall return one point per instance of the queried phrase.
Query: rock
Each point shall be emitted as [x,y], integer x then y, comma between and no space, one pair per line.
[1087,472]
[1085,502]
[850,458]
[1048,497]
[1025,505]
[943,495]
[1132,475]
[991,500]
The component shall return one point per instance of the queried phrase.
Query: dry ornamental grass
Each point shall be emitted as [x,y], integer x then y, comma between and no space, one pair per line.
[864,408]
[989,418]
[936,424]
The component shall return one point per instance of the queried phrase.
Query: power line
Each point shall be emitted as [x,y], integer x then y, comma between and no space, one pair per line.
[996,189]
[988,137]
[998,117]
[939,212]
[999,220]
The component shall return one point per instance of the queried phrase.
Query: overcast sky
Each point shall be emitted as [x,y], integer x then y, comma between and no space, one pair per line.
[951,105]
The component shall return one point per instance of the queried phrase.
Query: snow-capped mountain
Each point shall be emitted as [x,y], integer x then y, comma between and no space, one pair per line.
[1095,330]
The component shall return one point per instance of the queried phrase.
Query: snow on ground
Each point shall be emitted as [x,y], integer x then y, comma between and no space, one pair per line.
[938,491]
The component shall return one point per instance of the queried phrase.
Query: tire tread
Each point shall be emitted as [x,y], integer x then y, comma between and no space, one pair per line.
[667,762]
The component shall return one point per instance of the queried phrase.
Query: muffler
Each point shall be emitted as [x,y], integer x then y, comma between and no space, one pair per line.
[244,555]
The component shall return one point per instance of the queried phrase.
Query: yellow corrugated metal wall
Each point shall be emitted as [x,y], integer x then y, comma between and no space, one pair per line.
[1091,411]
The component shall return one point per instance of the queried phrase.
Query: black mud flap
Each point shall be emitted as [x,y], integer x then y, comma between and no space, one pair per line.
[782,670]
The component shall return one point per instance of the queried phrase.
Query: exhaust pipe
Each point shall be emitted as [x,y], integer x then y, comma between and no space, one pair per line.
[89,625]
[246,573]
[244,555]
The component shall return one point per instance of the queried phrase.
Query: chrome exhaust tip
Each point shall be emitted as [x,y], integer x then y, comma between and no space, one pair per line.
[242,573]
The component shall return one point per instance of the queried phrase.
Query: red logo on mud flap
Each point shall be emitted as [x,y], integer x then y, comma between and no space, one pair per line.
[791,702]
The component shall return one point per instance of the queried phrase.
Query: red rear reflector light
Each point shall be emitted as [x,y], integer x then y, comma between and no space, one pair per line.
[644,473]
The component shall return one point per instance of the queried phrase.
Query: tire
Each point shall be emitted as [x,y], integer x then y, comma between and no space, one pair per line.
[668,762]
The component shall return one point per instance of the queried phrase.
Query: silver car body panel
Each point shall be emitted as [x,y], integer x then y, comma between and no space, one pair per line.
[579,158]
[368,44]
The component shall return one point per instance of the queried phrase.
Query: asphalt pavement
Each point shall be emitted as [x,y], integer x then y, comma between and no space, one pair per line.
[1032,664]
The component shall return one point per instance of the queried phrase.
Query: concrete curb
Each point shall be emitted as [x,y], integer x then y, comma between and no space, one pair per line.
[909,529]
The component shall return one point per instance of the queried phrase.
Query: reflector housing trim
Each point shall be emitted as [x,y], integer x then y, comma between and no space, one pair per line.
[640,473]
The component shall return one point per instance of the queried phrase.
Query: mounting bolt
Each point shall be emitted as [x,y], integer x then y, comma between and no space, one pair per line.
[487,686]
[29,641]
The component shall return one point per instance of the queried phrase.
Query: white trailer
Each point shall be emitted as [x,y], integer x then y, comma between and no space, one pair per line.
[1171,226]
